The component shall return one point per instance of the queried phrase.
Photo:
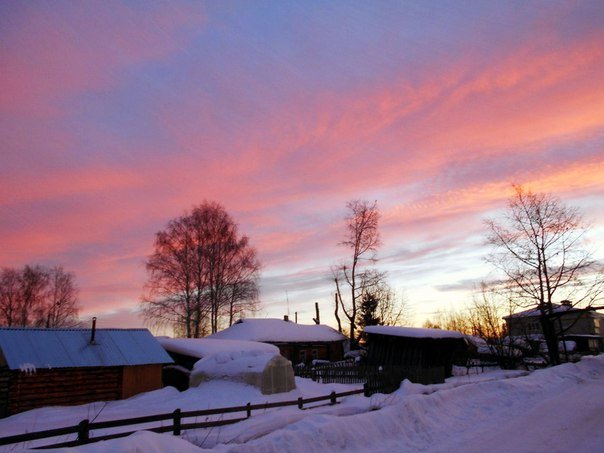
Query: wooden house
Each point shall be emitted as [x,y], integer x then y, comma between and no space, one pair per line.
[299,343]
[44,367]
[565,318]
[425,356]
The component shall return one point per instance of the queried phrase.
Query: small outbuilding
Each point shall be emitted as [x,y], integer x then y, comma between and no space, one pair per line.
[424,356]
[48,367]
[250,362]
[299,343]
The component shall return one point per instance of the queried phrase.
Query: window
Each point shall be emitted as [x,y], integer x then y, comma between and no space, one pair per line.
[314,354]
[597,326]
[302,356]
[534,327]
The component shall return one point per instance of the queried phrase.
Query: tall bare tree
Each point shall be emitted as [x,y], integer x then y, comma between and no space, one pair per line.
[539,247]
[363,240]
[200,271]
[36,296]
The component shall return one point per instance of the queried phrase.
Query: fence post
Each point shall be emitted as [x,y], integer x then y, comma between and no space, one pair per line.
[366,389]
[300,403]
[176,418]
[248,409]
[332,397]
[83,432]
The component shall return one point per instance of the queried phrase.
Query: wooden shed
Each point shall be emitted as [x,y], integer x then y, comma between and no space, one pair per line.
[299,343]
[424,356]
[46,367]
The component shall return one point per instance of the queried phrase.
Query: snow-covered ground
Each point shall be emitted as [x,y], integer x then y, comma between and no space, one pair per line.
[557,409]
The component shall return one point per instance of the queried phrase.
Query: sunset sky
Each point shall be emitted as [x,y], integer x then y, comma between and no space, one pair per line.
[116,117]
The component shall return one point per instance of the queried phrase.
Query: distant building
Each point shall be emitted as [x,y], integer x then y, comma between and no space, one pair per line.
[425,356]
[44,367]
[299,343]
[584,327]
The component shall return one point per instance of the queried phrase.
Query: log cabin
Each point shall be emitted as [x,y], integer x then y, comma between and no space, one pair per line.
[51,367]
[299,343]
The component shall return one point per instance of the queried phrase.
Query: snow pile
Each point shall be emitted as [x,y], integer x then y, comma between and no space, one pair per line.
[232,364]
[277,331]
[204,347]
[413,332]
[263,367]
[556,409]
[142,441]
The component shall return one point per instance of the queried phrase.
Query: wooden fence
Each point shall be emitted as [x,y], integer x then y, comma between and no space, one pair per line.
[176,422]
[375,379]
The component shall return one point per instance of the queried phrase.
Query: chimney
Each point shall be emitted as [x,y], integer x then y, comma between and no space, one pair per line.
[93,332]
[285,318]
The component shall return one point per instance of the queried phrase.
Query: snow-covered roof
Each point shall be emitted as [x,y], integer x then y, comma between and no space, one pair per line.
[63,348]
[204,347]
[556,308]
[412,332]
[278,331]
[233,363]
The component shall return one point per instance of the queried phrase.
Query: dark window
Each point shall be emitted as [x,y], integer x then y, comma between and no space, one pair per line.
[314,354]
[302,356]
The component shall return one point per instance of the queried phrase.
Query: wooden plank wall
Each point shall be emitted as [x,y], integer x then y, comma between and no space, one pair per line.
[141,378]
[65,386]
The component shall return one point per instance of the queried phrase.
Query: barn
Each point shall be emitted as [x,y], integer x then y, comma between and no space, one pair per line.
[47,367]
[299,343]
[424,356]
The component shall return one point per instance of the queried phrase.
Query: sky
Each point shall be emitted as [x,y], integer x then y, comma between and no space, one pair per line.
[116,117]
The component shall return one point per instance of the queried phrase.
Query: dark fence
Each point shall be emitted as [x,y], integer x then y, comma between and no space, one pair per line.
[175,420]
[376,379]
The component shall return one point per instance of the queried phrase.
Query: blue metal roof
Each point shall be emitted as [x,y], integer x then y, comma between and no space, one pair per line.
[64,348]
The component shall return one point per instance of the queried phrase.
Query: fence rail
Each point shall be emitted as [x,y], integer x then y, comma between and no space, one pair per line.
[84,428]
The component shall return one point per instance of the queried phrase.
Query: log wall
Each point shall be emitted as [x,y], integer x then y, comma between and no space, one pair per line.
[62,387]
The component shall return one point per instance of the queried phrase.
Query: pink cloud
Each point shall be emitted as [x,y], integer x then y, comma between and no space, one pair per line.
[59,52]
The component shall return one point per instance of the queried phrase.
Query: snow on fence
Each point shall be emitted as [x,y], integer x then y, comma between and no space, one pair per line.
[85,427]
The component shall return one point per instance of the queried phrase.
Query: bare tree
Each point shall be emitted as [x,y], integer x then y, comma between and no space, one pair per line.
[380,305]
[10,297]
[200,271]
[362,240]
[36,296]
[61,308]
[539,247]
[486,314]
[457,320]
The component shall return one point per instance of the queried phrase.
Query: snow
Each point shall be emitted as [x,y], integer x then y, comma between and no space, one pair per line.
[203,347]
[276,331]
[27,368]
[553,409]
[224,364]
[556,308]
[412,332]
